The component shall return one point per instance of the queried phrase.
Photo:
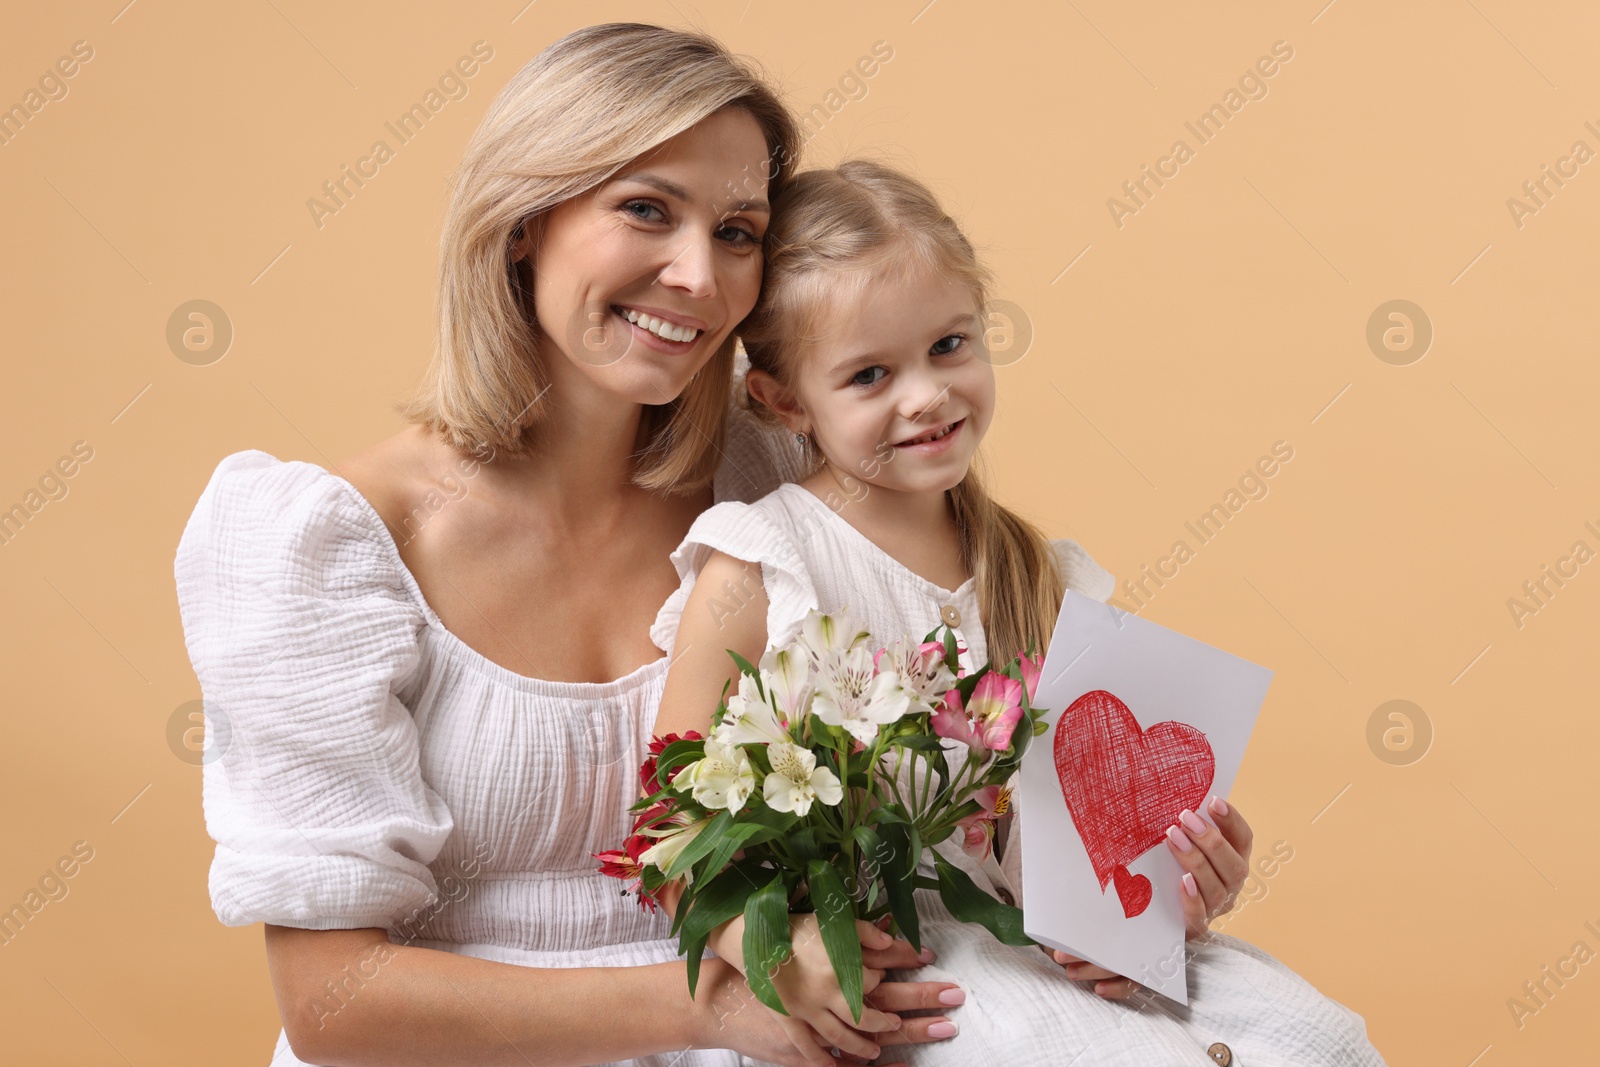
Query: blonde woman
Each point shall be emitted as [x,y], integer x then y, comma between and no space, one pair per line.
[430,670]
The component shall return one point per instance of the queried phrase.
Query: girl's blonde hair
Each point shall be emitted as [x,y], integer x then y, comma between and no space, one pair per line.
[834,232]
[567,121]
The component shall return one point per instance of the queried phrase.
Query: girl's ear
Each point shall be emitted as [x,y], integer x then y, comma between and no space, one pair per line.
[770,392]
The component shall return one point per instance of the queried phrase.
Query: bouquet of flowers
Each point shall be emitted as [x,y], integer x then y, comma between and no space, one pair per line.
[824,776]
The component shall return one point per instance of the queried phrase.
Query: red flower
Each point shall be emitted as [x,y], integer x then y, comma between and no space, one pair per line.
[618,863]
[647,770]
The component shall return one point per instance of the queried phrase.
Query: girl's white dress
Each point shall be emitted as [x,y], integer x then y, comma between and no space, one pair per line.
[1245,1007]
[372,770]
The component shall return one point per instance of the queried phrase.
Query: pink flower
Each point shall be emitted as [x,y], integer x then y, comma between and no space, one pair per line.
[1031,667]
[995,800]
[952,721]
[996,708]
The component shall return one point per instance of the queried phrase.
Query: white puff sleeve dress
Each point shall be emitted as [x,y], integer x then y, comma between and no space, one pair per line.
[1020,1008]
[372,770]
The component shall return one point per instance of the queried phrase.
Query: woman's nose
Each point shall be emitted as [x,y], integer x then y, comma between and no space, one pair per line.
[692,268]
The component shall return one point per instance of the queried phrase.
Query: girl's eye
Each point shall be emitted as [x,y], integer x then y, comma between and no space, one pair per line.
[855,379]
[742,236]
[958,338]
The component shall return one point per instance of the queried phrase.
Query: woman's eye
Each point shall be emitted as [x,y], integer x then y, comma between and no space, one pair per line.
[647,205]
[958,338]
[743,236]
[856,378]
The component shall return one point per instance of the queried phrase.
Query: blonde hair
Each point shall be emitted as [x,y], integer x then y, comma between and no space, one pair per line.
[567,121]
[833,233]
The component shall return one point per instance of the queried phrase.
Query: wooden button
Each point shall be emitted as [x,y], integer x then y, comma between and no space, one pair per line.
[1222,1054]
[950,615]
[1005,895]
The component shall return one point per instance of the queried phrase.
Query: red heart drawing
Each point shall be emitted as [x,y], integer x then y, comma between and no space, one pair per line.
[1124,786]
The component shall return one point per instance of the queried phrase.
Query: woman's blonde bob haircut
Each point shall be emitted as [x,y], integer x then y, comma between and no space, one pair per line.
[566,122]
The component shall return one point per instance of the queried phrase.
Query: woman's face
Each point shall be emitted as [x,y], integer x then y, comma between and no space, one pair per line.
[670,245]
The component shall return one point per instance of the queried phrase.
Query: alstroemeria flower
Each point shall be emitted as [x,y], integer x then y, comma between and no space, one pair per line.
[995,800]
[1031,667]
[854,696]
[952,721]
[996,708]
[796,780]
[921,668]
[672,837]
[822,635]
[786,672]
[658,745]
[986,724]
[625,863]
[751,719]
[723,779]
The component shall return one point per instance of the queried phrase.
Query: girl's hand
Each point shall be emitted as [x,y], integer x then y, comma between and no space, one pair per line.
[1215,859]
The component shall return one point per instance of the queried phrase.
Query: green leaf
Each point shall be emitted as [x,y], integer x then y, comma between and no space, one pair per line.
[1040,727]
[836,918]
[704,842]
[970,904]
[678,754]
[766,940]
[919,742]
[746,668]
[721,899]
[897,882]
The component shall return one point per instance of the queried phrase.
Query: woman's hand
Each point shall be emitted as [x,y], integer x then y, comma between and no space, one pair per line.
[1215,860]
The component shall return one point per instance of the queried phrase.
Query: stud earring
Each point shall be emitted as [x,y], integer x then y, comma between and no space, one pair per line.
[800,437]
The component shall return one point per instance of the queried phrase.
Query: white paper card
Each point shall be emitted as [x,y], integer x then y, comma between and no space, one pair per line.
[1144,706]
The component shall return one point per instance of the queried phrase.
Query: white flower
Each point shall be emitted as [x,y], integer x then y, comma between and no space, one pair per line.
[786,673]
[821,635]
[723,779]
[750,719]
[922,671]
[673,840]
[853,695]
[796,780]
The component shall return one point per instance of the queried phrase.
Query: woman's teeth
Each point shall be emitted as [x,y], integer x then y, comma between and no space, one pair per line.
[659,327]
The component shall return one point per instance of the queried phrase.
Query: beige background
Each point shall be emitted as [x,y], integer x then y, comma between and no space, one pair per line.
[1228,313]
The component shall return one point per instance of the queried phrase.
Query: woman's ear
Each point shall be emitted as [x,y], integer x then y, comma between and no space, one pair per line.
[771,393]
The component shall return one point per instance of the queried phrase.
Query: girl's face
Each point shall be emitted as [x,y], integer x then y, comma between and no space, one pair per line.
[899,366]
[675,235]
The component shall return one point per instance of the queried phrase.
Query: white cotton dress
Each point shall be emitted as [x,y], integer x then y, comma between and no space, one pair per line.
[375,771]
[1021,1008]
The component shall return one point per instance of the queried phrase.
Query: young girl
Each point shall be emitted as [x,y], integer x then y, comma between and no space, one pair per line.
[867,344]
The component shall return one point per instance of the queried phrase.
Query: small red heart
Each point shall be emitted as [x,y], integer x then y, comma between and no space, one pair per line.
[1124,786]
[1133,890]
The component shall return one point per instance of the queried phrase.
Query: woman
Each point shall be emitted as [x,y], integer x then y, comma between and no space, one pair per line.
[431,674]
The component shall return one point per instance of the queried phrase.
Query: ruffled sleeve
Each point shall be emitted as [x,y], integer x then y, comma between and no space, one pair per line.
[1083,575]
[756,458]
[300,626]
[743,531]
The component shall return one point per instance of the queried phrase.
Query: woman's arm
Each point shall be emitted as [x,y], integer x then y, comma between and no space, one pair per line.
[351,998]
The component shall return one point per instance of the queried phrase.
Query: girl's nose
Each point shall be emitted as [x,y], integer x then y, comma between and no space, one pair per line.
[932,399]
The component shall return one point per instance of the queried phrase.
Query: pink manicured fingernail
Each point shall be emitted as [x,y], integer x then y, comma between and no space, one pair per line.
[1195,823]
[951,997]
[943,1029]
[1219,805]
[926,955]
[1179,838]
[1190,886]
